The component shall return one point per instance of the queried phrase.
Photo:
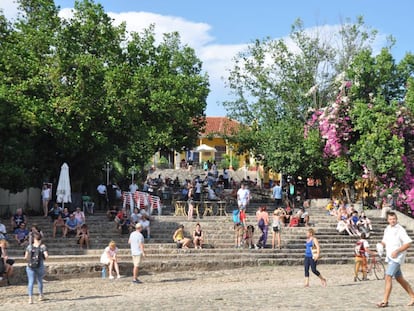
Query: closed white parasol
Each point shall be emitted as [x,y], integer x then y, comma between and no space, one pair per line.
[63,191]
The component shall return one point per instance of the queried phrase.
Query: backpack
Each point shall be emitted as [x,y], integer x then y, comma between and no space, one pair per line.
[236,216]
[34,260]
[359,249]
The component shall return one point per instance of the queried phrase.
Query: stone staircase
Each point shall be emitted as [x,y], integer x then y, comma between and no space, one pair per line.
[67,260]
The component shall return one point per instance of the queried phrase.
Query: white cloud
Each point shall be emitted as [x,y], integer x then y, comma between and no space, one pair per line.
[216,58]
[9,8]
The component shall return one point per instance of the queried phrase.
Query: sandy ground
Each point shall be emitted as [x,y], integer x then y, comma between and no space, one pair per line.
[263,288]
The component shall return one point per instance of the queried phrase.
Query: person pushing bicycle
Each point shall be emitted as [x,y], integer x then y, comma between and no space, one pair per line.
[362,252]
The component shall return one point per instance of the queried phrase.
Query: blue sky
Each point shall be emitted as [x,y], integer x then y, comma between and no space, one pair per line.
[217,30]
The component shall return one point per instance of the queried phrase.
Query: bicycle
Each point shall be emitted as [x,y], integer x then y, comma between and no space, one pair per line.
[374,266]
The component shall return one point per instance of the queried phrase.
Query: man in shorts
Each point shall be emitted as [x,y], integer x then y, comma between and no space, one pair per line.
[396,241]
[136,241]
[243,196]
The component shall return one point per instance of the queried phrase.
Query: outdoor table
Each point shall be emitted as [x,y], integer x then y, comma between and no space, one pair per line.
[208,208]
[180,208]
[197,205]
[221,208]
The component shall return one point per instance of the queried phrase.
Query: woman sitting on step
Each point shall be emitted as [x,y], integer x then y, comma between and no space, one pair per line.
[109,258]
[179,239]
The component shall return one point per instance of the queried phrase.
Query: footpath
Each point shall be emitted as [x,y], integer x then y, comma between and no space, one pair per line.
[248,288]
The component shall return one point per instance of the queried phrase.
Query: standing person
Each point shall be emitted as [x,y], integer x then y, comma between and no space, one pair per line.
[46,196]
[243,196]
[262,217]
[277,227]
[190,202]
[102,196]
[277,194]
[311,259]
[35,255]
[6,263]
[226,178]
[361,251]
[136,241]
[396,242]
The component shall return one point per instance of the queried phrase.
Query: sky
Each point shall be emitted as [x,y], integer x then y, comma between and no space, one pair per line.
[219,29]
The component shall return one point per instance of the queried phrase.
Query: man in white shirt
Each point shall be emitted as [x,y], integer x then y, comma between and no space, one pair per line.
[243,196]
[396,241]
[136,242]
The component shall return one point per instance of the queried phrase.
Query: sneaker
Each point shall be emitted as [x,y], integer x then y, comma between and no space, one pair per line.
[118,277]
[256,246]
[30,300]
[111,277]
[136,281]
[41,298]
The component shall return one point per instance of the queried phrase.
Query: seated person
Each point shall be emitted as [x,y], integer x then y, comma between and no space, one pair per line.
[145,223]
[365,222]
[6,264]
[18,218]
[211,196]
[135,217]
[83,236]
[179,239]
[80,216]
[303,215]
[88,204]
[58,224]
[288,214]
[3,231]
[71,226]
[198,237]
[21,235]
[122,221]
[55,211]
[111,213]
[65,214]
[109,257]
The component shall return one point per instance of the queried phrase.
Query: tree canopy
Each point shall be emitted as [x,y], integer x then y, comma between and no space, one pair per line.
[83,91]
[321,109]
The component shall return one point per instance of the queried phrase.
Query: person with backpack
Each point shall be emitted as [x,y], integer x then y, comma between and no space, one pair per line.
[35,256]
[361,251]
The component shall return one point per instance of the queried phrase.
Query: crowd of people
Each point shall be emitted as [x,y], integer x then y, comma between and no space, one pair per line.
[350,220]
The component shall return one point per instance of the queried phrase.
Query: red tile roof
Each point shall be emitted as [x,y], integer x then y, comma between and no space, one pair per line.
[220,125]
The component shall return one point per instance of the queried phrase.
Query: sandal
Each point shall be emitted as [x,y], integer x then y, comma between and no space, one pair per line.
[382,305]
[411,303]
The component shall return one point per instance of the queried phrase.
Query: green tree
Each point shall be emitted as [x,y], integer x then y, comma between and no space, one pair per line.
[77,91]
[276,86]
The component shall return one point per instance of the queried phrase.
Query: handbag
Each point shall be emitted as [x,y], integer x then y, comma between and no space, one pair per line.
[315,252]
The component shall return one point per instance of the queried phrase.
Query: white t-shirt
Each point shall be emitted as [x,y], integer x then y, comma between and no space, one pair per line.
[243,196]
[135,240]
[395,237]
[46,194]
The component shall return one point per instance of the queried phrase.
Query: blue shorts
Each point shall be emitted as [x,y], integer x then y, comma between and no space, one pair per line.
[393,269]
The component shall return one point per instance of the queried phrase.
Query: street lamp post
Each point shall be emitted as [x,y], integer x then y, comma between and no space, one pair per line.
[107,168]
[231,157]
[133,171]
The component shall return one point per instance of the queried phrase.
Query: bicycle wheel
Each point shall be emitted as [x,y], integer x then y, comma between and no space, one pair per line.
[379,270]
